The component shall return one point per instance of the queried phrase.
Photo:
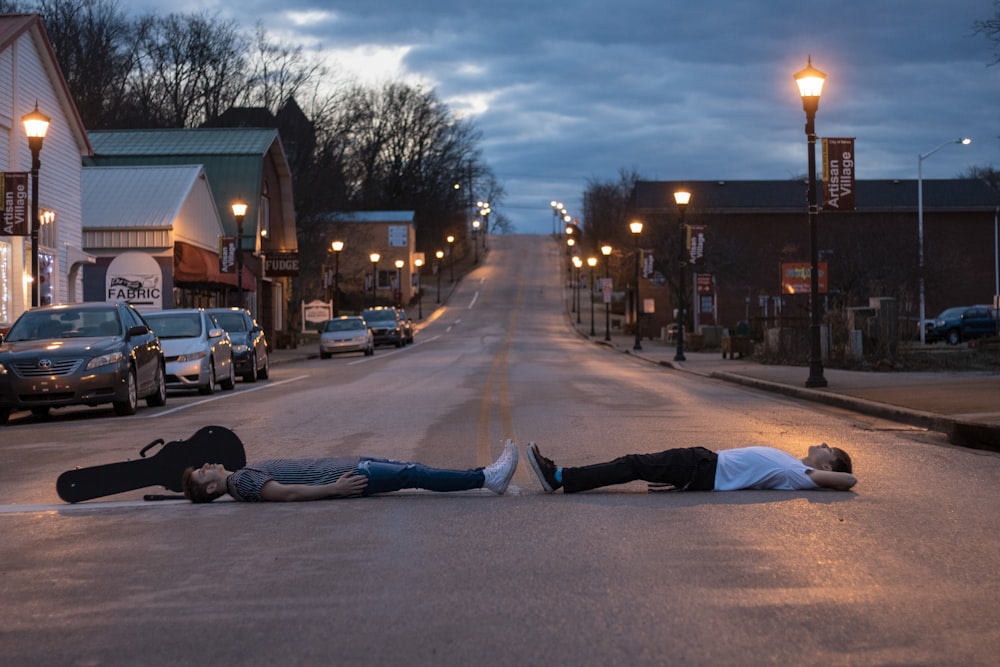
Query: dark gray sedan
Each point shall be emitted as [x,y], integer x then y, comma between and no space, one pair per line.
[80,354]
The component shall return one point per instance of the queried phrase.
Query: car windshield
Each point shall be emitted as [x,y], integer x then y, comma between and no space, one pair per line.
[186,325]
[951,312]
[69,323]
[231,321]
[380,316]
[343,325]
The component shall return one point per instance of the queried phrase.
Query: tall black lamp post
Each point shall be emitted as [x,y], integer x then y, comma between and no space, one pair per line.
[439,254]
[239,211]
[606,251]
[578,264]
[36,124]
[636,229]
[591,263]
[399,281]
[374,257]
[419,263]
[337,247]
[681,198]
[451,256]
[810,82]
[475,239]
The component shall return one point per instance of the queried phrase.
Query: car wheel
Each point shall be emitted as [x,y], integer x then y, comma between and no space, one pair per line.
[4,415]
[324,355]
[953,337]
[230,382]
[209,389]
[128,406]
[41,412]
[159,397]
[265,371]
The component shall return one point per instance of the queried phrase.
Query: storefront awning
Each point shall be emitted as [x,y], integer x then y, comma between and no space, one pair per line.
[197,265]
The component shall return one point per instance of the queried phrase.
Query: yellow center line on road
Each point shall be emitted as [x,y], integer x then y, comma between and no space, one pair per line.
[498,395]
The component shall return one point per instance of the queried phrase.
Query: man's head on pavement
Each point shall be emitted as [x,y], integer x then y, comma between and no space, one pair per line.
[204,484]
[825,457]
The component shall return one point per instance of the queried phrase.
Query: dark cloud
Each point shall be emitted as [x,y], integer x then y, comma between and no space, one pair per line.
[570,91]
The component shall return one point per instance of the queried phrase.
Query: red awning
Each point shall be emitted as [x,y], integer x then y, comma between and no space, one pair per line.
[197,265]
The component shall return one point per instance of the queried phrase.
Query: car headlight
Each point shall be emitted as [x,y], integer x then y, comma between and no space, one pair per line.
[240,349]
[194,356]
[104,360]
[3,370]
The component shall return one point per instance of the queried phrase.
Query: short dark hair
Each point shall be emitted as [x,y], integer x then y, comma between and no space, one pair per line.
[841,461]
[194,491]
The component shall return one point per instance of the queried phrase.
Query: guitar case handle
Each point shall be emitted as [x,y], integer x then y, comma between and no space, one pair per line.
[142,452]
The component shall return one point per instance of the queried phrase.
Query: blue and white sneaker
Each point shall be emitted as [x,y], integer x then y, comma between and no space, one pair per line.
[499,473]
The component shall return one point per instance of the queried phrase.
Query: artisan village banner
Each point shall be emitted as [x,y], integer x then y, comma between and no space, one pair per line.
[838,174]
[14,204]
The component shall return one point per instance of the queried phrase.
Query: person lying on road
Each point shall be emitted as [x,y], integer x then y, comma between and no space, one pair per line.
[700,469]
[340,477]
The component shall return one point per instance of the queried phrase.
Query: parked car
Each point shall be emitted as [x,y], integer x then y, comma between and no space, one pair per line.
[250,347]
[80,354]
[198,352]
[385,325]
[963,323]
[347,333]
[407,326]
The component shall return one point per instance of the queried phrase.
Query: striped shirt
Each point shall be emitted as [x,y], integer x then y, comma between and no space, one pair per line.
[246,483]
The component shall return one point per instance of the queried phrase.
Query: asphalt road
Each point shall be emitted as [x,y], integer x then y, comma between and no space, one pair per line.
[900,571]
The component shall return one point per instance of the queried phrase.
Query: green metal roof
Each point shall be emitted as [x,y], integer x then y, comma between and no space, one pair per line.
[198,141]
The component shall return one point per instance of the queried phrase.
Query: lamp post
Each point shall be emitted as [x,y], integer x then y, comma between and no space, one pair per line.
[484,211]
[451,256]
[399,281]
[555,217]
[239,211]
[681,198]
[636,229]
[420,289]
[36,124]
[920,225]
[439,254]
[374,257]
[475,239]
[578,263]
[591,263]
[606,251]
[810,84]
[337,247]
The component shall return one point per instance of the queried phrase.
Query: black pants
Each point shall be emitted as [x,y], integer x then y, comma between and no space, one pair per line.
[689,469]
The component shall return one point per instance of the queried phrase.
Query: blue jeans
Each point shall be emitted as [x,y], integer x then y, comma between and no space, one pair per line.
[385,475]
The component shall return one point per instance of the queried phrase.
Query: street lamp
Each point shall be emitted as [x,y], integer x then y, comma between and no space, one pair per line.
[239,211]
[606,251]
[681,198]
[578,263]
[451,256]
[374,257]
[484,211]
[920,224]
[810,82]
[419,263]
[636,229]
[475,239]
[439,254]
[591,263]
[399,281]
[337,247]
[36,124]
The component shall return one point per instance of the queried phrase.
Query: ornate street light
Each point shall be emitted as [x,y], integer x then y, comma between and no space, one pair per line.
[337,247]
[36,124]
[475,239]
[239,211]
[374,257]
[636,229]
[810,82]
[920,225]
[399,280]
[606,251]
[682,198]
[419,263]
[591,263]
[451,256]
[578,263]
[437,269]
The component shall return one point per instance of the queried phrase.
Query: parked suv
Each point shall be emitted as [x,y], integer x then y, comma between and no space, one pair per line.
[386,325]
[964,323]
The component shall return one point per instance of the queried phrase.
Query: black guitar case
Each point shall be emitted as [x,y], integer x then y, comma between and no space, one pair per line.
[210,444]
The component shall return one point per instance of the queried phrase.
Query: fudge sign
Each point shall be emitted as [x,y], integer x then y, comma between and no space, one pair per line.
[282,264]
[135,277]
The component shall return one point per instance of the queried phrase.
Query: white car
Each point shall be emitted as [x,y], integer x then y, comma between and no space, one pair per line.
[348,333]
[197,350]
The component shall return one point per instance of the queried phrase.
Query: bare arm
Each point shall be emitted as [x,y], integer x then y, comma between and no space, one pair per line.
[350,484]
[841,481]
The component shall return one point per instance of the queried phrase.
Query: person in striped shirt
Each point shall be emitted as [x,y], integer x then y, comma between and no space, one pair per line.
[284,480]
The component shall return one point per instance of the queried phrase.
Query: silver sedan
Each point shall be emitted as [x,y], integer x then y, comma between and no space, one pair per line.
[198,351]
[348,333]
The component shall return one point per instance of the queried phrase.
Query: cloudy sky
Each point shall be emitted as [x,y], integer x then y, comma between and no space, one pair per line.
[572,91]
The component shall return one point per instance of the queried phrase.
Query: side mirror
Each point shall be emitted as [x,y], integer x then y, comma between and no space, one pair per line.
[137,330]
[216,333]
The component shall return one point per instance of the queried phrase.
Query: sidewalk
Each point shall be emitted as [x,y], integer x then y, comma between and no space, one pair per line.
[963,405]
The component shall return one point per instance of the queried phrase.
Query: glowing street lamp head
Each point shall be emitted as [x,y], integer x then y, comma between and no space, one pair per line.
[682,197]
[239,209]
[606,250]
[810,82]
[635,227]
[337,246]
[374,257]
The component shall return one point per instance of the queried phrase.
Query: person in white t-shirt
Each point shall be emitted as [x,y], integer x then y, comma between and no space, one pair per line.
[700,469]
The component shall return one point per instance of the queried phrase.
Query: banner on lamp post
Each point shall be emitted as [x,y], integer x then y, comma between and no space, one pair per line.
[14,204]
[838,174]
[694,242]
[227,254]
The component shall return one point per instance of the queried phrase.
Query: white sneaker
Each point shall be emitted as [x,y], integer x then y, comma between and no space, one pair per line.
[499,473]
